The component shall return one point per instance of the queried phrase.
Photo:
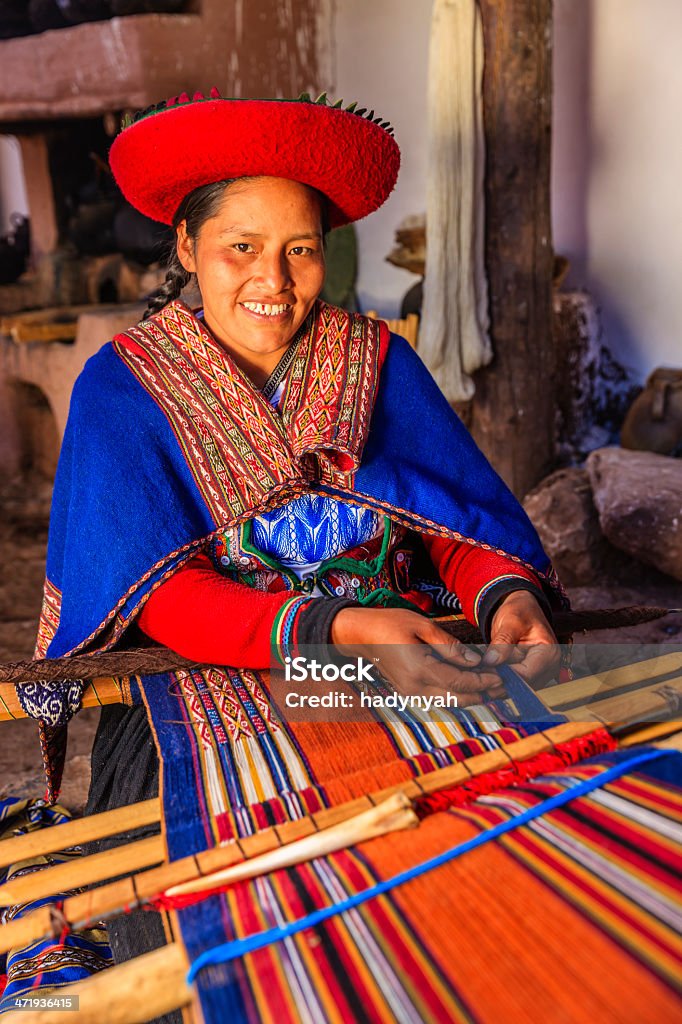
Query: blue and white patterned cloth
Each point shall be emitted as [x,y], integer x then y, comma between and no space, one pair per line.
[312,528]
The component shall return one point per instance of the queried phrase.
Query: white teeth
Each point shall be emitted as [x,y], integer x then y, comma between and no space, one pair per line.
[265,309]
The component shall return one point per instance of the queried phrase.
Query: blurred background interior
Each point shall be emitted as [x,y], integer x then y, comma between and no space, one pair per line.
[568,155]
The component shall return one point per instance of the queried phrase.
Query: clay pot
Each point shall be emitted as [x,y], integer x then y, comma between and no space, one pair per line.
[654,420]
[14,19]
[46,15]
[140,239]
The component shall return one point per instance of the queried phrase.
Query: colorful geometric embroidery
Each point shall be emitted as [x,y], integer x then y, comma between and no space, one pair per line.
[49,618]
[329,393]
[242,452]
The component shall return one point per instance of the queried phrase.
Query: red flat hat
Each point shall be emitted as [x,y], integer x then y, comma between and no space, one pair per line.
[177,146]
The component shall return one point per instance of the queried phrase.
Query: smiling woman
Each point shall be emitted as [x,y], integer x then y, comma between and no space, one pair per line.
[264,472]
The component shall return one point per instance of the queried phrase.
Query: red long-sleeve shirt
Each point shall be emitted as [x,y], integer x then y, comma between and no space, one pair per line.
[206,617]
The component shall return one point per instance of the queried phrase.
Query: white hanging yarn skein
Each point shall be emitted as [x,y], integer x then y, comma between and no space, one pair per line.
[453,337]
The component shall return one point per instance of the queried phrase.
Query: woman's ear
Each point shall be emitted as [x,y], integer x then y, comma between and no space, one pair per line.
[185,248]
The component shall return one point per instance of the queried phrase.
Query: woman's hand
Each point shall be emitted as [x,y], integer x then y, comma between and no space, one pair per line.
[521,635]
[414,654]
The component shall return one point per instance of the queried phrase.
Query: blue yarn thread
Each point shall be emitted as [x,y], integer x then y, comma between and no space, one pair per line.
[530,706]
[239,947]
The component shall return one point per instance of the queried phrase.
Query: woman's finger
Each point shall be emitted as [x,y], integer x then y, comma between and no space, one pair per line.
[456,680]
[540,664]
[499,653]
[445,647]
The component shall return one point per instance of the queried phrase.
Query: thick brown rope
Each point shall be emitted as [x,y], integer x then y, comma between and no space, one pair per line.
[151,660]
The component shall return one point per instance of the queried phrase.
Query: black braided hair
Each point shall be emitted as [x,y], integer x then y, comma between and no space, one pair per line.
[195,209]
[177,278]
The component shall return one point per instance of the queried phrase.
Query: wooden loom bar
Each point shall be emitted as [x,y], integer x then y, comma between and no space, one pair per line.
[85,871]
[85,908]
[649,733]
[390,815]
[556,697]
[647,705]
[75,833]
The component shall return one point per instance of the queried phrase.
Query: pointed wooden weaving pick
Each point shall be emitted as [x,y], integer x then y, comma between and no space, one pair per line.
[389,816]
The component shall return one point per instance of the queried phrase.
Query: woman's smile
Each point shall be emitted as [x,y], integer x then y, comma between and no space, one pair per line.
[267,313]
[266,308]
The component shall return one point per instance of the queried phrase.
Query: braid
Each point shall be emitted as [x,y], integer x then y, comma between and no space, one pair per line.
[176,279]
[195,209]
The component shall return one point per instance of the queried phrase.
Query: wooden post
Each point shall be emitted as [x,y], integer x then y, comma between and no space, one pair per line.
[513,411]
[44,234]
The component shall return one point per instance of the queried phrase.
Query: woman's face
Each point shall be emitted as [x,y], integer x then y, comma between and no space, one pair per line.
[260,266]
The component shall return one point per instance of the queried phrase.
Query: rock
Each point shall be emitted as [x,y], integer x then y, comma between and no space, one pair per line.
[563,513]
[638,496]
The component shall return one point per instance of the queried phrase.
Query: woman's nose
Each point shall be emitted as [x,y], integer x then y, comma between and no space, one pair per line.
[274,272]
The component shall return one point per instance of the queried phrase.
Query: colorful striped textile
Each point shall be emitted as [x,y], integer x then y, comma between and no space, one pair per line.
[511,931]
[47,963]
[228,755]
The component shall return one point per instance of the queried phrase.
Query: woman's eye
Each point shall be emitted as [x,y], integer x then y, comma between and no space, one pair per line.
[301,250]
[242,247]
